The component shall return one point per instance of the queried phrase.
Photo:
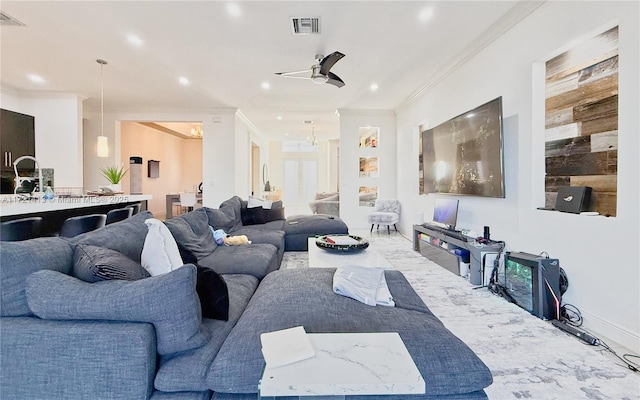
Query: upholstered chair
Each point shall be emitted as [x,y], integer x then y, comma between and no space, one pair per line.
[387,212]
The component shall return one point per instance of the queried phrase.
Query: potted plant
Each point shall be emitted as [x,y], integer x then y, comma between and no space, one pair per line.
[114,175]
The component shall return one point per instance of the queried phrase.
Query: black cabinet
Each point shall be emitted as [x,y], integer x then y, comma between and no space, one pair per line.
[17,139]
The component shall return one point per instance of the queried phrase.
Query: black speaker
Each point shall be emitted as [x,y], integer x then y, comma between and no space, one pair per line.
[487,235]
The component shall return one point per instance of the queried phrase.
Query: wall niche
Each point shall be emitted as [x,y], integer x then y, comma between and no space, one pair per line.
[581,121]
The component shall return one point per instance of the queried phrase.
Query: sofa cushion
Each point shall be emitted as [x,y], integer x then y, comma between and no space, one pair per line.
[259,215]
[213,294]
[212,290]
[262,234]
[46,359]
[222,219]
[305,297]
[232,207]
[188,370]
[19,260]
[94,264]
[167,301]
[126,237]
[257,259]
[191,230]
[299,228]
[160,253]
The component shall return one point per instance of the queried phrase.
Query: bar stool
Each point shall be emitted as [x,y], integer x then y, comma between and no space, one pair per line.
[85,223]
[118,214]
[135,208]
[20,229]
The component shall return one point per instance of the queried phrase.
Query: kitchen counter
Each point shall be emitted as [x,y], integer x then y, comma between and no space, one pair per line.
[54,212]
[12,205]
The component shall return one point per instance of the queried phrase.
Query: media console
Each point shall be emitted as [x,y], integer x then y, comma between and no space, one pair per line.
[440,248]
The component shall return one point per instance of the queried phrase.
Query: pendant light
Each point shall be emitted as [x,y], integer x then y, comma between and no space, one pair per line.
[103,141]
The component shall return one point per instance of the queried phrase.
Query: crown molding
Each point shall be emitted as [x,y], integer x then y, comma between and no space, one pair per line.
[510,19]
[250,124]
[44,94]
[366,112]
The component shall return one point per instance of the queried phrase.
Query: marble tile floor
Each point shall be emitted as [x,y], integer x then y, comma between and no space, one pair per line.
[529,358]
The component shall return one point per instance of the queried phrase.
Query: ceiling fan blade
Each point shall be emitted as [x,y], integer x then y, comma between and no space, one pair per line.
[296,77]
[328,61]
[335,80]
[305,71]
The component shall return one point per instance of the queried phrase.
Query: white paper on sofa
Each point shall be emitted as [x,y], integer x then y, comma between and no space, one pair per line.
[286,346]
[365,284]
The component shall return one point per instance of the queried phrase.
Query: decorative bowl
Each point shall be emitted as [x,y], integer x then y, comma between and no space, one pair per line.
[328,242]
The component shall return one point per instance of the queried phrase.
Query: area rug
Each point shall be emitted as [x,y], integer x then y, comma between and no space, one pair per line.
[528,357]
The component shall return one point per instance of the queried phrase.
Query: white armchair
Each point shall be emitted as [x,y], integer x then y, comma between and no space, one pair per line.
[387,212]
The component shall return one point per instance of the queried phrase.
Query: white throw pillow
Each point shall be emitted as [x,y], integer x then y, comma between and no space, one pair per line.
[254,202]
[160,253]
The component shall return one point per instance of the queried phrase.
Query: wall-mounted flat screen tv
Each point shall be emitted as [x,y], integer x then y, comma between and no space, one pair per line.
[465,154]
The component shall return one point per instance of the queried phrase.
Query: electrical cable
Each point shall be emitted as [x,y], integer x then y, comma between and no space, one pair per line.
[571,315]
[635,367]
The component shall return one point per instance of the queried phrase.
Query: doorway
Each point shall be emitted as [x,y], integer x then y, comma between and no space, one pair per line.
[256,188]
[300,184]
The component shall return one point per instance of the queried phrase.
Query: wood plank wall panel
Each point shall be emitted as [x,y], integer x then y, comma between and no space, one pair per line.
[581,121]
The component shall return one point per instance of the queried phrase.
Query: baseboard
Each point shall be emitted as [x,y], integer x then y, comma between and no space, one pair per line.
[604,330]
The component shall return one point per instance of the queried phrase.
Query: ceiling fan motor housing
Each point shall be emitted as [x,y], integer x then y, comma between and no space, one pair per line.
[317,77]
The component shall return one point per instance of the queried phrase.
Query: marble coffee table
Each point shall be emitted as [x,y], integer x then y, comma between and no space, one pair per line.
[321,258]
[347,364]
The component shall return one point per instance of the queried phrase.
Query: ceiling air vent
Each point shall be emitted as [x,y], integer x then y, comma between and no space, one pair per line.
[8,20]
[305,25]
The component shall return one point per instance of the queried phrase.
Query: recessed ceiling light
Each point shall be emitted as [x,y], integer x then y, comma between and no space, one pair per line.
[234,10]
[279,117]
[425,14]
[265,85]
[134,40]
[183,81]
[36,78]
[373,87]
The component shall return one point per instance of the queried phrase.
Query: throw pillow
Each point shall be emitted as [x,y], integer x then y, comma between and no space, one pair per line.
[258,215]
[257,202]
[191,230]
[169,302]
[160,252]
[213,293]
[211,288]
[94,264]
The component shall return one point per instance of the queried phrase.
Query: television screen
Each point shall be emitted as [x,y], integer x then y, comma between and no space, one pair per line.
[445,212]
[465,154]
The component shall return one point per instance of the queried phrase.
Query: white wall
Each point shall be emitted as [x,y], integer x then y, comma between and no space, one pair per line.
[351,212]
[242,156]
[600,255]
[58,131]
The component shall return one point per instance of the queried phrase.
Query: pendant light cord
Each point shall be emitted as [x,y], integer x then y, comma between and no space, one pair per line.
[102,64]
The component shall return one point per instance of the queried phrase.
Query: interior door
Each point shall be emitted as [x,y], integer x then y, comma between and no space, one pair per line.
[300,182]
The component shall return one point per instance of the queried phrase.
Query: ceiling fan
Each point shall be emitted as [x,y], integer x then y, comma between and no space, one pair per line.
[319,71]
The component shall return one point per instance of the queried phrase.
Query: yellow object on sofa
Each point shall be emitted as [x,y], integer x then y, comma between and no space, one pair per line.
[236,240]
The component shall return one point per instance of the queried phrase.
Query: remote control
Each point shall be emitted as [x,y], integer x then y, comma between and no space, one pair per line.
[572,330]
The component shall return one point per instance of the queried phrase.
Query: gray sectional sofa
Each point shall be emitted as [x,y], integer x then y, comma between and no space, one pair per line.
[63,338]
